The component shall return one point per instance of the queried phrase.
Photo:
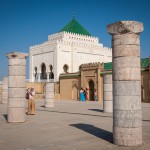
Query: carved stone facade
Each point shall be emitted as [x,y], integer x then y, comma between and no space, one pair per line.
[88,78]
[69,84]
[65,48]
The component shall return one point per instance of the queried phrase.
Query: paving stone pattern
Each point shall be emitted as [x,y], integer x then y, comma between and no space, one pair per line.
[70,125]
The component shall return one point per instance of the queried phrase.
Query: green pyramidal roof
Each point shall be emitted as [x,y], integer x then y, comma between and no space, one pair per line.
[74,27]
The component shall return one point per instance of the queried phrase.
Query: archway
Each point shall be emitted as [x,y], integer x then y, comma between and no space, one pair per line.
[91,90]
[35,71]
[43,70]
[51,75]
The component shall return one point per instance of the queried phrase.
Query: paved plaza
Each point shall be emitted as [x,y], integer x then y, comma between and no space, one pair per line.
[69,125]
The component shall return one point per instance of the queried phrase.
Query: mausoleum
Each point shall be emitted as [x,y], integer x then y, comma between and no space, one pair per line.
[65,51]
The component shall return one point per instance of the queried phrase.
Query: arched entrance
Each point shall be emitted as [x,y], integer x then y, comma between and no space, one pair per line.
[91,90]
[43,70]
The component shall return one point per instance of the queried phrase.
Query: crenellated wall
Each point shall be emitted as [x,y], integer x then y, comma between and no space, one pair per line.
[70,49]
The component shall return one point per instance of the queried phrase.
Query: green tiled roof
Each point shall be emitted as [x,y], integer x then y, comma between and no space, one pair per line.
[108,66]
[74,27]
[145,62]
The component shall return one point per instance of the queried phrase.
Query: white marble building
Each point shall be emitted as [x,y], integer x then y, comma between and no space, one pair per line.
[65,52]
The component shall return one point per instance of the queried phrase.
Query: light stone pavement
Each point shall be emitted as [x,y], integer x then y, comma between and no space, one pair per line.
[69,125]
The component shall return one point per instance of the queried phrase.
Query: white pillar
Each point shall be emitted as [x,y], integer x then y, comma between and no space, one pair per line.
[47,76]
[39,77]
[107,90]
[127,113]
[5,90]
[49,94]
[16,86]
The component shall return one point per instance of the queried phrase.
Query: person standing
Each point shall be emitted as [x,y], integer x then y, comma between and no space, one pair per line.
[82,97]
[87,93]
[95,95]
[31,103]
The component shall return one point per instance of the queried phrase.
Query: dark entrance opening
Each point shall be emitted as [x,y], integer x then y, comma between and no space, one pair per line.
[43,70]
[91,90]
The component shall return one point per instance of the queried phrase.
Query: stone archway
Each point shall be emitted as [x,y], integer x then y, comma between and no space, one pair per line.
[51,75]
[91,90]
[43,71]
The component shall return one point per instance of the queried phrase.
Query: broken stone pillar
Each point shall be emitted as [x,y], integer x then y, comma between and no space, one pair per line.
[107,90]
[127,114]
[49,94]
[16,86]
[5,90]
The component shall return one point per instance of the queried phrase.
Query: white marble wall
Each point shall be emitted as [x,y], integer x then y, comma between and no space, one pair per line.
[67,48]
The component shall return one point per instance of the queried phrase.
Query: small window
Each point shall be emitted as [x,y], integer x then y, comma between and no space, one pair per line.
[66,68]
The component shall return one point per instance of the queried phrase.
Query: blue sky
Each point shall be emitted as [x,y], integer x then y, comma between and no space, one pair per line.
[24,23]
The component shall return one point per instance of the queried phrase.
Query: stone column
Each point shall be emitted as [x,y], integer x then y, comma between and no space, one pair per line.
[5,90]
[48,76]
[49,94]
[16,86]
[127,114]
[107,90]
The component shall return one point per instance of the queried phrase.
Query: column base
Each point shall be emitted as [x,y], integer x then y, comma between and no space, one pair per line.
[16,114]
[127,136]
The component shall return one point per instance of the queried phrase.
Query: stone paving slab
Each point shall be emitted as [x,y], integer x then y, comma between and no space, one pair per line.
[70,125]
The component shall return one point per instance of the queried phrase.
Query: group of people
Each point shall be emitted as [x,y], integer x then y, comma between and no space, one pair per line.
[84,94]
[30,92]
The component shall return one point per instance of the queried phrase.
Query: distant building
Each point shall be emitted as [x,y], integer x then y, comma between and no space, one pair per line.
[64,52]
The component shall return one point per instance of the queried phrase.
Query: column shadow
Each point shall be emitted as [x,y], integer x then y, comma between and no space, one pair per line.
[100,133]
[98,110]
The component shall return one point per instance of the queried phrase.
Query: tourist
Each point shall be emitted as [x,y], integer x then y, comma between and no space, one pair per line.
[95,95]
[87,93]
[82,96]
[31,103]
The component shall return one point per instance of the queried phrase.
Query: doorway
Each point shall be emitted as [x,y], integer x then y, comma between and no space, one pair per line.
[91,90]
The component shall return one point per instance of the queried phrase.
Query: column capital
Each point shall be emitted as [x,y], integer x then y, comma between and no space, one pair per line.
[13,55]
[123,27]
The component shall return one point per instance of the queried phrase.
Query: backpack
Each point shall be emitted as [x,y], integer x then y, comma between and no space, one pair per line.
[27,95]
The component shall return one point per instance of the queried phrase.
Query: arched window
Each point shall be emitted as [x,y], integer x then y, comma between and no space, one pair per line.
[66,68]
[51,75]
[35,71]
[43,70]
[51,68]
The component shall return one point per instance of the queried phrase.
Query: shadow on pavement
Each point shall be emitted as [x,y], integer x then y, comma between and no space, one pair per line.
[98,110]
[100,133]
[146,120]
[63,112]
